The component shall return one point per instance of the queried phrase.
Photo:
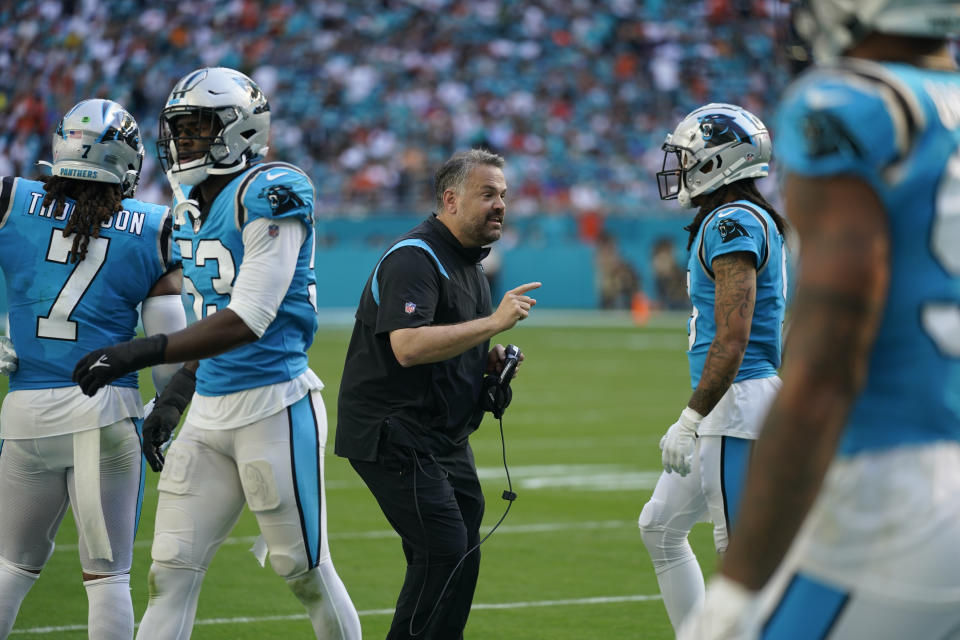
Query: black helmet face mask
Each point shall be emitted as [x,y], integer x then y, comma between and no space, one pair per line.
[190,138]
[671,176]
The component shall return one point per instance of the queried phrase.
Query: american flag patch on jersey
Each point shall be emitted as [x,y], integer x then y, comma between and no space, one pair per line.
[409,308]
[273,230]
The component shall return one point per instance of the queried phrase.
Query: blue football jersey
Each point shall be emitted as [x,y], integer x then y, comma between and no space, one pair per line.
[898,128]
[61,310]
[212,259]
[739,226]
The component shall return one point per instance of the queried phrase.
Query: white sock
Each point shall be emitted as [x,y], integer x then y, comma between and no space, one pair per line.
[328,604]
[14,585]
[682,588]
[172,606]
[110,609]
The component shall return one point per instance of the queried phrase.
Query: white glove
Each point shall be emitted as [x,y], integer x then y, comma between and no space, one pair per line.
[678,442]
[724,614]
[8,357]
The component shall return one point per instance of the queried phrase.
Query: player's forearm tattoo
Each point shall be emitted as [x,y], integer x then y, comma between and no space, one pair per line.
[736,282]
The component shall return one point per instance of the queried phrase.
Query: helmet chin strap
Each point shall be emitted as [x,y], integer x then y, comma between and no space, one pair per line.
[190,206]
[239,165]
[219,171]
[184,206]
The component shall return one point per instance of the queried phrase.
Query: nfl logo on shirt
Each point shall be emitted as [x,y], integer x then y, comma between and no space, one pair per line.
[409,308]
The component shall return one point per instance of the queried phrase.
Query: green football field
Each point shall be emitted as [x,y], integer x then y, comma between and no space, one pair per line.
[590,405]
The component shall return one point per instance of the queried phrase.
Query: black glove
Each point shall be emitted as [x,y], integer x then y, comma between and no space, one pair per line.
[495,396]
[159,424]
[100,367]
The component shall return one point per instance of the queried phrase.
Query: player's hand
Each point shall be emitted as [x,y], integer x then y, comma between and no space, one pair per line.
[8,357]
[515,305]
[158,429]
[100,367]
[678,442]
[725,613]
[159,425]
[496,358]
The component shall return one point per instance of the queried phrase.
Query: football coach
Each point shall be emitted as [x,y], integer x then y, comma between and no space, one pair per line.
[411,390]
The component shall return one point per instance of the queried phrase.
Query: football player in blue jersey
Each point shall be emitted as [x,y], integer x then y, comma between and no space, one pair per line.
[257,428]
[737,281]
[79,255]
[860,539]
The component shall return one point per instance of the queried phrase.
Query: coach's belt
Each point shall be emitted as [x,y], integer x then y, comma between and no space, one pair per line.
[89,507]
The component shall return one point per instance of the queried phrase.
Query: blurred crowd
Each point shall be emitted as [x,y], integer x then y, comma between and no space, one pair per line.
[368,96]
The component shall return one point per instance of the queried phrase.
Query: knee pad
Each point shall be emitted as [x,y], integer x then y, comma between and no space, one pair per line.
[288,563]
[667,547]
[651,515]
[173,542]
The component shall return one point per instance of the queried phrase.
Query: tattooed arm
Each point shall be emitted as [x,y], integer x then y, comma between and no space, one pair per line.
[735,276]
[842,288]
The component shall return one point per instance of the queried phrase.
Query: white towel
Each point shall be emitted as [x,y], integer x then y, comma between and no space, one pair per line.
[89,509]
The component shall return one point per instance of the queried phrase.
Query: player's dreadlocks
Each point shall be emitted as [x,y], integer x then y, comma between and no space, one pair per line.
[740,190]
[96,202]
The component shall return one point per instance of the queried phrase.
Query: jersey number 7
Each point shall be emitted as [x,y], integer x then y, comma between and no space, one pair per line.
[57,324]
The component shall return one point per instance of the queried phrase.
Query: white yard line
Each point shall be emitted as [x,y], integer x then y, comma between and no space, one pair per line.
[374,612]
[543,527]
[580,477]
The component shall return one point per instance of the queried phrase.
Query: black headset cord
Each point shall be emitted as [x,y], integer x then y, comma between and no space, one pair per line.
[508,495]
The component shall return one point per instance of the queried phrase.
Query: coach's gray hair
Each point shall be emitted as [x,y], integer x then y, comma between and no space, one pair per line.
[453,174]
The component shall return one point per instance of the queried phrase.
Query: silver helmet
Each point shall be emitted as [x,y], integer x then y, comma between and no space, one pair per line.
[98,140]
[215,121]
[712,146]
[831,27]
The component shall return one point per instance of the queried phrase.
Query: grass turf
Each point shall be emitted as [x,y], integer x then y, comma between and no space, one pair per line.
[589,408]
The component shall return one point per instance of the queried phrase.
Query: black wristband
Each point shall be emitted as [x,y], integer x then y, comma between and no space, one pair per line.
[146,352]
[179,390]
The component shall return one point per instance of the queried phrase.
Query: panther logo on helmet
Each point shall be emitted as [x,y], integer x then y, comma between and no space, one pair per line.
[713,146]
[721,128]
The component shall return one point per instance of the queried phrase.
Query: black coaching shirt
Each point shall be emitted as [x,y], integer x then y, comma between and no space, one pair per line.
[426,277]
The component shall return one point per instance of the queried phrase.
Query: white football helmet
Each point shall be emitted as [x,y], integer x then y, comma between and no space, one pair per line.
[221,121]
[831,27]
[98,140]
[714,145]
